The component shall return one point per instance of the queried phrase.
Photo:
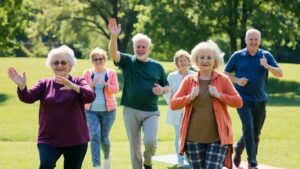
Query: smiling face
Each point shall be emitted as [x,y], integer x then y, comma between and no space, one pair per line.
[206,60]
[60,65]
[253,41]
[141,49]
[98,60]
[183,63]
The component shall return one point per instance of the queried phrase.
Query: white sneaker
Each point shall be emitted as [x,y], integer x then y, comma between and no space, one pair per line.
[97,167]
[106,163]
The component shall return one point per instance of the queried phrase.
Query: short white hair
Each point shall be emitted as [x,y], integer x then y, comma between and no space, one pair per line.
[252,30]
[141,36]
[65,50]
[211,46]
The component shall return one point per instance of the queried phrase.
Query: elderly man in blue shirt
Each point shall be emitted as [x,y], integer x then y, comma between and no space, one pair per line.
[251,67]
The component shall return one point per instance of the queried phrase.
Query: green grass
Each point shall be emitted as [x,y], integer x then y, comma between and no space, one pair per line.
[19,121]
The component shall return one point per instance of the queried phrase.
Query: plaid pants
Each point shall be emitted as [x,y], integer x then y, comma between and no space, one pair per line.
[205,156]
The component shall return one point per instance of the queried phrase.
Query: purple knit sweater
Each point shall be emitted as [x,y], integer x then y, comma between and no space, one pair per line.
[62,120]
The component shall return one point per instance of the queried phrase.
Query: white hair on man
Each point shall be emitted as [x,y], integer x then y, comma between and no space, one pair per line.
[252,30]
[62,50]
[141,36]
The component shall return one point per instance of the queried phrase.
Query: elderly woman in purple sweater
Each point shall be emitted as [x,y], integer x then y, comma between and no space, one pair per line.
[63,128]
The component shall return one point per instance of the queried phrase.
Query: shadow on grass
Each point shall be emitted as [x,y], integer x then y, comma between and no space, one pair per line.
[283,93]
[3,98]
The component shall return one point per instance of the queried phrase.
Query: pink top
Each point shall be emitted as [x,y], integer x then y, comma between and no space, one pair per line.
[109,90]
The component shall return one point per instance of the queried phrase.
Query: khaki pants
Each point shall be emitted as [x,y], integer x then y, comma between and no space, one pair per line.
[135,120]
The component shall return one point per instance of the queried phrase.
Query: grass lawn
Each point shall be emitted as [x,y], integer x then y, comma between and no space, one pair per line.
[18,121]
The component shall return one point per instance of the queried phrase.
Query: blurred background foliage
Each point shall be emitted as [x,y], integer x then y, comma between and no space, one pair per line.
[29,28]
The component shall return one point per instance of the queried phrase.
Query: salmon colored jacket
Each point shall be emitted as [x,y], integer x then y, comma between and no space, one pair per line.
[228,96]
[109,90]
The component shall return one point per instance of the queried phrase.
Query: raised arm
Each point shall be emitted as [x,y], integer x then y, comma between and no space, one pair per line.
[20,80]
[114,29]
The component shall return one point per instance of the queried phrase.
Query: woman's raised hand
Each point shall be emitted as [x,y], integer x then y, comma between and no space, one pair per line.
[113,27]
[20,80]
[67,84]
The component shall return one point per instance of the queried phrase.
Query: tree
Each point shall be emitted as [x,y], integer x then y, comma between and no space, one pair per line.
[170,26]
[226,21]
[81,23]
[13,19]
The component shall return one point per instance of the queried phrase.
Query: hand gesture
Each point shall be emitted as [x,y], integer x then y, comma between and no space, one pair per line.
[67,84]
[194,93]
[95,81]
[264,62]
[157,89]
[113,27]
[20,80]
[242,81]
[214,91]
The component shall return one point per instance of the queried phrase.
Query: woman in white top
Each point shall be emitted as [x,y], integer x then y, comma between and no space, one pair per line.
[182,61]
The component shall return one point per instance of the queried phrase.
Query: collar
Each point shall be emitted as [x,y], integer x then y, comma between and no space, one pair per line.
[196,76]
[257,54]
[178,72]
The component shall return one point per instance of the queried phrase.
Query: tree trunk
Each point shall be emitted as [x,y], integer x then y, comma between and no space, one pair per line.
[233,20]
[244,19]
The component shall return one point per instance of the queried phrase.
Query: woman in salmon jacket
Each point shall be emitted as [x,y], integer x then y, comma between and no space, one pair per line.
[206,130]
[102,112]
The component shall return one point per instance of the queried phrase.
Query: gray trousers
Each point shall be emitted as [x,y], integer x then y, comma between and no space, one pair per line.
[135,120]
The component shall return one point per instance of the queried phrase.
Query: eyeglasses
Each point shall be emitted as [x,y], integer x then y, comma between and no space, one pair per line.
[63,63]
[98,59]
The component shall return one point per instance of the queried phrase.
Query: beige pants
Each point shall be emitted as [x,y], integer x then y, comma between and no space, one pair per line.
[135,120]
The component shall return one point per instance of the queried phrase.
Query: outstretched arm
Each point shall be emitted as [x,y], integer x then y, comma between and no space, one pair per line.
[114,29]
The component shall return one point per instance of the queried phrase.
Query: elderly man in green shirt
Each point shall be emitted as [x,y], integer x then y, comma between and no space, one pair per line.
[144,81]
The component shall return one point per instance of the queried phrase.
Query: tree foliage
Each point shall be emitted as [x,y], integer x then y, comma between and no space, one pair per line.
[170,26]
[80,23]
[35,26]
[13,20]
[176,24]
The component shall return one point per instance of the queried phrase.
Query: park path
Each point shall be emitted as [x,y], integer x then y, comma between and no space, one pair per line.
[172,159]
[260,166]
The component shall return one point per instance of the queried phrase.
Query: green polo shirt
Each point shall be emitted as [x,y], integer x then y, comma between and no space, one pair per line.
[139,79]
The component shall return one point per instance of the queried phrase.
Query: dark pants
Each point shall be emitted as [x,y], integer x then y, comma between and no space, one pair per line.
[73,156]
[252,115]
